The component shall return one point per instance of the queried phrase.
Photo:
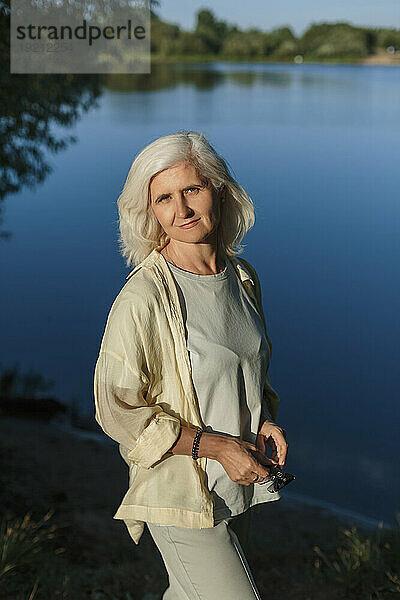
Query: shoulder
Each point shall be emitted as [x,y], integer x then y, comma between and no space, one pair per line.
[251,271]
[141,287]
[253,283]
[143,283]
[136,303]
[252,274]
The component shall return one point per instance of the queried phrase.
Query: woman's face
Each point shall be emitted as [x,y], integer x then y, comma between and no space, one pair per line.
[186,209]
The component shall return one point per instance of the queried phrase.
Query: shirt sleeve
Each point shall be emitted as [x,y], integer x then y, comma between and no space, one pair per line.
[123,407]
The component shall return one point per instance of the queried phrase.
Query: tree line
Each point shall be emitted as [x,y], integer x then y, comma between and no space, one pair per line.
[216,38]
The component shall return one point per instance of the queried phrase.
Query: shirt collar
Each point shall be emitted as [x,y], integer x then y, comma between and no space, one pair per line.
[154,255]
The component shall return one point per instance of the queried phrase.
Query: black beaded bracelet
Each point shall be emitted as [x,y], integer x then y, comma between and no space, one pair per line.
[196,443]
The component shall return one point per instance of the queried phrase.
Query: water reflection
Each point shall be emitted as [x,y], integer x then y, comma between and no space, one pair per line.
[208,76]
[35,110]
[35,107]
[163,77]
[200,77]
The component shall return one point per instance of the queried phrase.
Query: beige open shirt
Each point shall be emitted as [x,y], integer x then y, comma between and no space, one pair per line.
[143,392]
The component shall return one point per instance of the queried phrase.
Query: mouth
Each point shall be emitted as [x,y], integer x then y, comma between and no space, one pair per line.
[190,224]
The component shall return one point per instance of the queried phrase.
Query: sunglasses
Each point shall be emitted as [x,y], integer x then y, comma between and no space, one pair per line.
[276,479]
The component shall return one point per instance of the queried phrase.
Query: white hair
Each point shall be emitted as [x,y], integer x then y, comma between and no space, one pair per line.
[140,232]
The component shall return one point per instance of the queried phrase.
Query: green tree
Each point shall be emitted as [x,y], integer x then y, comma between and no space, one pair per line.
[188,43]
[211,31]
[282,43]
[338,40]
[163,36]
[245,44]
[388,37]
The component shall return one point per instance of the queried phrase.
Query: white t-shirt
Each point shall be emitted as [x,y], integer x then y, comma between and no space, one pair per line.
[229,355]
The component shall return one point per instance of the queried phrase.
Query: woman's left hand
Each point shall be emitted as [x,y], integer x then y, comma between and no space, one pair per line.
[273,436]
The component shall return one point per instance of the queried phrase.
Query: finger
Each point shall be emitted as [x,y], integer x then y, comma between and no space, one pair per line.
[284,455]
[261,476]
[274,455]
[250,446]
[248,479]
[281,447]
[244,482]
[282,452]
[261,470]
[264,460]
[260,443]
[262,457]
[274,450]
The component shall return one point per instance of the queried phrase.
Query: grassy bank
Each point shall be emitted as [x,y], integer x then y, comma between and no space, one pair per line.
[58,539]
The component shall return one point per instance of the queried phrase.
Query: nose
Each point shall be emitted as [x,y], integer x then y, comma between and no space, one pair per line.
[182,209]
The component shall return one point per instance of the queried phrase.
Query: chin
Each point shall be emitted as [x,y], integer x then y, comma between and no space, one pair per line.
[184,235]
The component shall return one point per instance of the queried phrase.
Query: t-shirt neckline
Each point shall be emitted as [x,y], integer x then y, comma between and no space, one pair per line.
[196,276]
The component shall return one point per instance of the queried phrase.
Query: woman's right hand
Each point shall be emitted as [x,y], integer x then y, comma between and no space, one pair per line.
[235,455]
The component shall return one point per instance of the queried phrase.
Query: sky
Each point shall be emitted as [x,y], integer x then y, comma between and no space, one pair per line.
[266,15]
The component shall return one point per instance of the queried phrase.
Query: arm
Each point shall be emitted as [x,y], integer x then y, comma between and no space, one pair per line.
[233,454]
[121,382]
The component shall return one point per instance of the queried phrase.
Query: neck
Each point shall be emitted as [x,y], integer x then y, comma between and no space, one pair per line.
[201,258]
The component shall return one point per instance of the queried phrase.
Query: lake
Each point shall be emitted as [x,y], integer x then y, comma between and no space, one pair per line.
[317,148]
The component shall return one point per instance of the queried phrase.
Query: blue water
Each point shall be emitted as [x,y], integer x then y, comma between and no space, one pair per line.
[317,149]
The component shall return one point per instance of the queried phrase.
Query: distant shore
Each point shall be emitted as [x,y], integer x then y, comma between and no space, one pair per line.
[380,59]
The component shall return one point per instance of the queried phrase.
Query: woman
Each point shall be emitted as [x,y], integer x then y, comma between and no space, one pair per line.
[181,379]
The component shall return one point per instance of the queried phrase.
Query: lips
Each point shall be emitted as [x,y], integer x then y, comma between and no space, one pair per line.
[190,224]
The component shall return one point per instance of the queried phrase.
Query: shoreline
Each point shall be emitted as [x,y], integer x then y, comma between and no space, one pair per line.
[381,59]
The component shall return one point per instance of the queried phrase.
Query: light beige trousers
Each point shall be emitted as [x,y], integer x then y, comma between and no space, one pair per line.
[207,564]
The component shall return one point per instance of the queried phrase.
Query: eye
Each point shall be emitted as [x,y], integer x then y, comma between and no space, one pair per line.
[161,199]
[192,189]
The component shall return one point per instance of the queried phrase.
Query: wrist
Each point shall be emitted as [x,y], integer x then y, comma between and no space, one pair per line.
[210,445]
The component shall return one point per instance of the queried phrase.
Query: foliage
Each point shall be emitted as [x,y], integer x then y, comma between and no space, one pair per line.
[211,31]
[162,36]
[283,36]
[14,384]
[388,37]
[214,37]
[33,108]
[245,44]
[335,40]
[184,43]
[22,540]
[363,565]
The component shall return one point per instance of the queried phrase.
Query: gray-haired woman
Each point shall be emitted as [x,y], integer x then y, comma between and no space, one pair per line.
[181,381]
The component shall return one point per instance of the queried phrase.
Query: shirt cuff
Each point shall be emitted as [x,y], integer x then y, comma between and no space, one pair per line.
[156,439]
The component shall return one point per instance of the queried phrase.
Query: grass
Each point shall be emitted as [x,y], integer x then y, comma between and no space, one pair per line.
[23,545]
[362,566]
